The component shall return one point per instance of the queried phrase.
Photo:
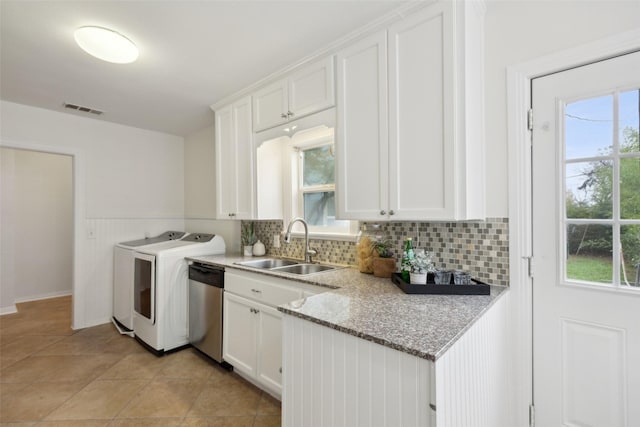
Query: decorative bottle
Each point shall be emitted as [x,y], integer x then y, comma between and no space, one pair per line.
[407,258]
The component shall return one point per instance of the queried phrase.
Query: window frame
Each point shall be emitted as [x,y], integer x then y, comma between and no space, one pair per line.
[300,142]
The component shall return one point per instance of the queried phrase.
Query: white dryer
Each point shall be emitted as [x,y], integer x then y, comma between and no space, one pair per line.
[123,277]
[161,303]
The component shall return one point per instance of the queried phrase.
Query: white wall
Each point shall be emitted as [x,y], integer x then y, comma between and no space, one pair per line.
[128,182]
[517,31]
[37,228]
[200,190]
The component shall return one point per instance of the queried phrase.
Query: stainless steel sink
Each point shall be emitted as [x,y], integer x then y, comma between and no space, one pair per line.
[305,268]
[268,263]
[291,266]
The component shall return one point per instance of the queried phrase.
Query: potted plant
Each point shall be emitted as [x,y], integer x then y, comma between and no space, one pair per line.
[421,265]
[248,237]
[383,262]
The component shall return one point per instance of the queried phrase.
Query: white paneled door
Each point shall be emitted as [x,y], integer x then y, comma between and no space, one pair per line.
[586,228]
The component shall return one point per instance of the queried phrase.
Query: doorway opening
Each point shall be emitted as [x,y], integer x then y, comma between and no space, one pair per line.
[38,222]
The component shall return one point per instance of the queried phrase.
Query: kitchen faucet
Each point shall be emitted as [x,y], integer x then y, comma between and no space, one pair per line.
[308,252]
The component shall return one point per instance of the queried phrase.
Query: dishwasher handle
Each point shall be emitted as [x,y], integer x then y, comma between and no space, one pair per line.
[207,274]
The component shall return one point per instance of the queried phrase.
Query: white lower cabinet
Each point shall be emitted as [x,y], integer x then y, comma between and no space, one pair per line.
[340,380]
[252,325]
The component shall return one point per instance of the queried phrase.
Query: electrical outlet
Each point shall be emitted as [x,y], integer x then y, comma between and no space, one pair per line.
[276,240]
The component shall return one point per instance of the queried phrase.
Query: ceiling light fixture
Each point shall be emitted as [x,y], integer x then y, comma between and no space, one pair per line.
[106,44]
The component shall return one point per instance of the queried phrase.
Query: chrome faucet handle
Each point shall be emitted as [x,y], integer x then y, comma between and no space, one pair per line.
[309,253]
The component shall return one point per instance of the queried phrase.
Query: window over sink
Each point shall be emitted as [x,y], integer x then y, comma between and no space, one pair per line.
[296,178]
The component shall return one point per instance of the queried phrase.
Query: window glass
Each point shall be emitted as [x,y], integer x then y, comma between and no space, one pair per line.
[320,208]
[589,253]
[589,127]
[630,188]
[602,190]
[630,254]
[318,166]
[629,121]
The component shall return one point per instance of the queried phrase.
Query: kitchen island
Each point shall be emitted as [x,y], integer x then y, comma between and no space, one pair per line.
[365,353]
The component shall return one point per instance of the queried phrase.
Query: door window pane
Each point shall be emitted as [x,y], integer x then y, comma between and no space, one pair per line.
[589,190]
[630,254]
[630,188]
[589,127]
[589,255]
[629,121]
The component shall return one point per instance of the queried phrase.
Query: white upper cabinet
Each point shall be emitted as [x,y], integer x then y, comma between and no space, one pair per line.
[306,91]
[416,152]
[234,161]
[362,135]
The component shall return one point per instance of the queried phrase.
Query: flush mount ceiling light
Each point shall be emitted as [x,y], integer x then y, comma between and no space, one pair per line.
[106,44]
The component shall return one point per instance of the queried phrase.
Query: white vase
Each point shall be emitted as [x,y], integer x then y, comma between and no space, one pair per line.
[418,278]
[248,250]
[258,248]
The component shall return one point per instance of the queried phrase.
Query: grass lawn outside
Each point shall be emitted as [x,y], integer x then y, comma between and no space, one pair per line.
[595,269]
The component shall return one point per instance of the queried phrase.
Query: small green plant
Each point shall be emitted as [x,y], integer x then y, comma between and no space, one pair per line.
[383,248]
[422,262]
[247,234]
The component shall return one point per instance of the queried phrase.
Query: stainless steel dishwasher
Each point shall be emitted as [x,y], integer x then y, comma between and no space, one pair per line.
[206,284]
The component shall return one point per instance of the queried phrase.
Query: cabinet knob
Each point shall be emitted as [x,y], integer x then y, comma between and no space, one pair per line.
[290,113]
[280,369]
[383,212]
[284,116]
[391,212]
[256,291]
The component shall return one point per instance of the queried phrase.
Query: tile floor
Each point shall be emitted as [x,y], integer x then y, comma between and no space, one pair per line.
[52,376]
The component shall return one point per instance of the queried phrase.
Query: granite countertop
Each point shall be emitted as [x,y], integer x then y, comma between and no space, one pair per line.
[377,310]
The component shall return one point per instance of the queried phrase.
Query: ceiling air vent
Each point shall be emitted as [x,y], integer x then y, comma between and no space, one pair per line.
[82,108]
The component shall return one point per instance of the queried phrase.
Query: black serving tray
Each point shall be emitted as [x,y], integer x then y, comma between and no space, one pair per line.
[477,288]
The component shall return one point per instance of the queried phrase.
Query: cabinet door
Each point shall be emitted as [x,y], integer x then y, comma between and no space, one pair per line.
[269,106]
[421,143]
[312,89]
[244,167]
[234,161]
[270,348]
[240,334]
[225,163]
[362,138]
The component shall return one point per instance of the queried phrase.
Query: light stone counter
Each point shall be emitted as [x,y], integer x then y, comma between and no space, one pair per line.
[375,309]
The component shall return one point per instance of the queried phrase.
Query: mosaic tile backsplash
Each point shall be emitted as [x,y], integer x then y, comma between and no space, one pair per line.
[479,247]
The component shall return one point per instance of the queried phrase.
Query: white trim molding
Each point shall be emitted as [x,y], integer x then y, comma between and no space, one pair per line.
[519,142]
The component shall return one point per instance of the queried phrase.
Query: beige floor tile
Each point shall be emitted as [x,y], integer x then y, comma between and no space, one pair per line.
[58,368]
[74,423]
[267,421]
[136,366]
[27,345]
[122,344]
[74,344]
[29,369]
[164,398]
[186,364]
[106,331]
[218,422]
[98,400]
[17,424]
[35,401]
[218,400]
[146,422]
[269,405]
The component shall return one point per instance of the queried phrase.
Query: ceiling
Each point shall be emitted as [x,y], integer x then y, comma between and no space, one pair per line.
[192,53]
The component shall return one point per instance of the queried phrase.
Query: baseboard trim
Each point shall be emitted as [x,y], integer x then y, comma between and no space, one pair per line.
[43,296]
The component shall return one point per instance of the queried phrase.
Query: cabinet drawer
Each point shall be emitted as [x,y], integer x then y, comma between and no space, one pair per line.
[259,289]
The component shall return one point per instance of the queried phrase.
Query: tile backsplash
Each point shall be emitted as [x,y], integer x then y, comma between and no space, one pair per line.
[479,247]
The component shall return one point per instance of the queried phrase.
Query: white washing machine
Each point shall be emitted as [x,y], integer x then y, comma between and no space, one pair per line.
[161,294]
[123,277]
